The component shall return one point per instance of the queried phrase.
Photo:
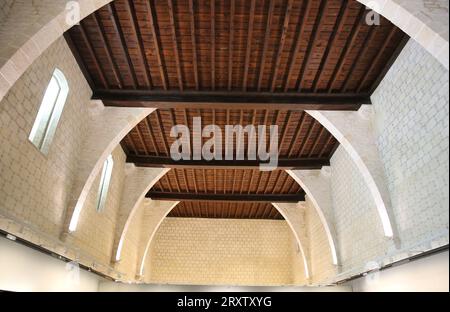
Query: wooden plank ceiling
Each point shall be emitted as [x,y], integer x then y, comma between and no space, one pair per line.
[139,51]
[224,193]
[303,142]
[225,210]
[233,62]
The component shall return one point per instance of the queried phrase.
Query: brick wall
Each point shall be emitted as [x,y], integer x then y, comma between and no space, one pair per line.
[412,125]
[219,251]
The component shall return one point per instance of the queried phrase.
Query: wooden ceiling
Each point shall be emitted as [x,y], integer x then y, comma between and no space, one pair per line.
[163,53]
[225,210]
[302,140]
[227,193]
[227,182]
[233,62]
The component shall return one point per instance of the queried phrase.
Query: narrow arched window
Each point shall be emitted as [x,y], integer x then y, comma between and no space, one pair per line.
[50,111]
[105,180]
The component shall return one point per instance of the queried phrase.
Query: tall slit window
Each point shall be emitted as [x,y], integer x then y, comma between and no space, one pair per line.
[50,111]
[105,180]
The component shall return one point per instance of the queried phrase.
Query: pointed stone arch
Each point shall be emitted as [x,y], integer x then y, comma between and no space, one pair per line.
[354,132]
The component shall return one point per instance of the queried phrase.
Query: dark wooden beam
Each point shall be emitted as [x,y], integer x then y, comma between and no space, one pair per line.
[175,44]
[93,55]
[266,43]
[347,48]
[151,15]
[115,20]
[161,131]
[108,50]
[167,162]
[287,16]
[130,7]
[260,198]
[249,43]
[141,140]
[306,140]
[377,58]
[298,132]
[364,48]
[231,100]
[194,44]
[403,41]
[298,41]
[79,58]
[337,31]
[213,44]
[312,41]
[230,45]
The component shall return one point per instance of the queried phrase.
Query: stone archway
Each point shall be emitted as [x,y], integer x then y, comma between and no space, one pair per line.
[160,210]
[354,131]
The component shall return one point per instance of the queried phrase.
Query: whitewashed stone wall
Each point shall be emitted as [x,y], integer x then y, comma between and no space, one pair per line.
[359,230]
[322,269]
[412,125]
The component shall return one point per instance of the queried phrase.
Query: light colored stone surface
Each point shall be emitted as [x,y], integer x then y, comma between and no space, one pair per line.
[28,28]
[294,214]
[354,131]
[322,268]
[127,266]
[19,20]
[359,231]
[154,214]
[317,185]
[106,128]
[221,252]
[35,189]
[426,21]
[95,235]
[138,182]
[412,127]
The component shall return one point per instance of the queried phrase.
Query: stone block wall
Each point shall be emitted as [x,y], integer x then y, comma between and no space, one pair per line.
[19,20]
[412,128]
[34,188]
[222,252]
[360,236]
[411,124]
[322,268]
[95,234]
[128,265]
